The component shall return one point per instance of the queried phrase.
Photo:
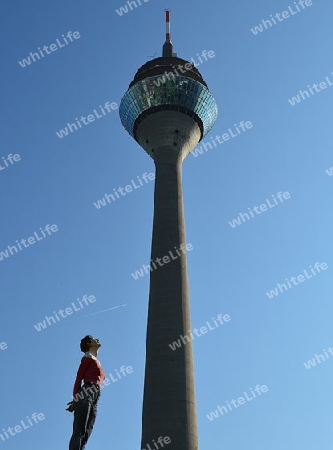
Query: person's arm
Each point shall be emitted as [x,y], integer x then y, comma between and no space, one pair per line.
[77,385]
[80,374]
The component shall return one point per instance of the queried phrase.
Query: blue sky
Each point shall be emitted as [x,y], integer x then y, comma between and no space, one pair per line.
[94,251]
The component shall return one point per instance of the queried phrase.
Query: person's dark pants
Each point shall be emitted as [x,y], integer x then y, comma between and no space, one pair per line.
[84,415]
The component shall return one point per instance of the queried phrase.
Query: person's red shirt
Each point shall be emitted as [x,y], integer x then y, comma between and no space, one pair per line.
[90,370]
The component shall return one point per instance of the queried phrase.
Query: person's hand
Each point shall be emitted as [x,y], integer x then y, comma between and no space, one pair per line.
[71,406]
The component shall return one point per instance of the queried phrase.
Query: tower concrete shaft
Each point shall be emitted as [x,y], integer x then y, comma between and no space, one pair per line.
[169,408]
[169,398]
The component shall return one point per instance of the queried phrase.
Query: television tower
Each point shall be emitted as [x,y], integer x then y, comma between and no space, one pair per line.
[168,109]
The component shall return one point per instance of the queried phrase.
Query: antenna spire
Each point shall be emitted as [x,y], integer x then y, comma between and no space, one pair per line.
[167,47]
[167,20]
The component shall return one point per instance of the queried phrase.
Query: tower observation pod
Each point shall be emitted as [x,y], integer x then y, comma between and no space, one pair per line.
[168,109]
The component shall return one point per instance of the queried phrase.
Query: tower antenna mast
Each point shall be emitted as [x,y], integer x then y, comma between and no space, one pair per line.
[167,47]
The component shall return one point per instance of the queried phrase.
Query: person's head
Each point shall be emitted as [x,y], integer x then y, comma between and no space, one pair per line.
[89,342]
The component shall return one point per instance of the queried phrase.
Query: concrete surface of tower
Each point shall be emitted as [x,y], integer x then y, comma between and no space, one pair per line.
[168,109]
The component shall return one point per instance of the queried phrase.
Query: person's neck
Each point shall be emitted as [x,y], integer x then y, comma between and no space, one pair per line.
[94,351]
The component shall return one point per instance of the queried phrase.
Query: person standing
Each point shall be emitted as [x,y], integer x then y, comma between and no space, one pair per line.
[85,398]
